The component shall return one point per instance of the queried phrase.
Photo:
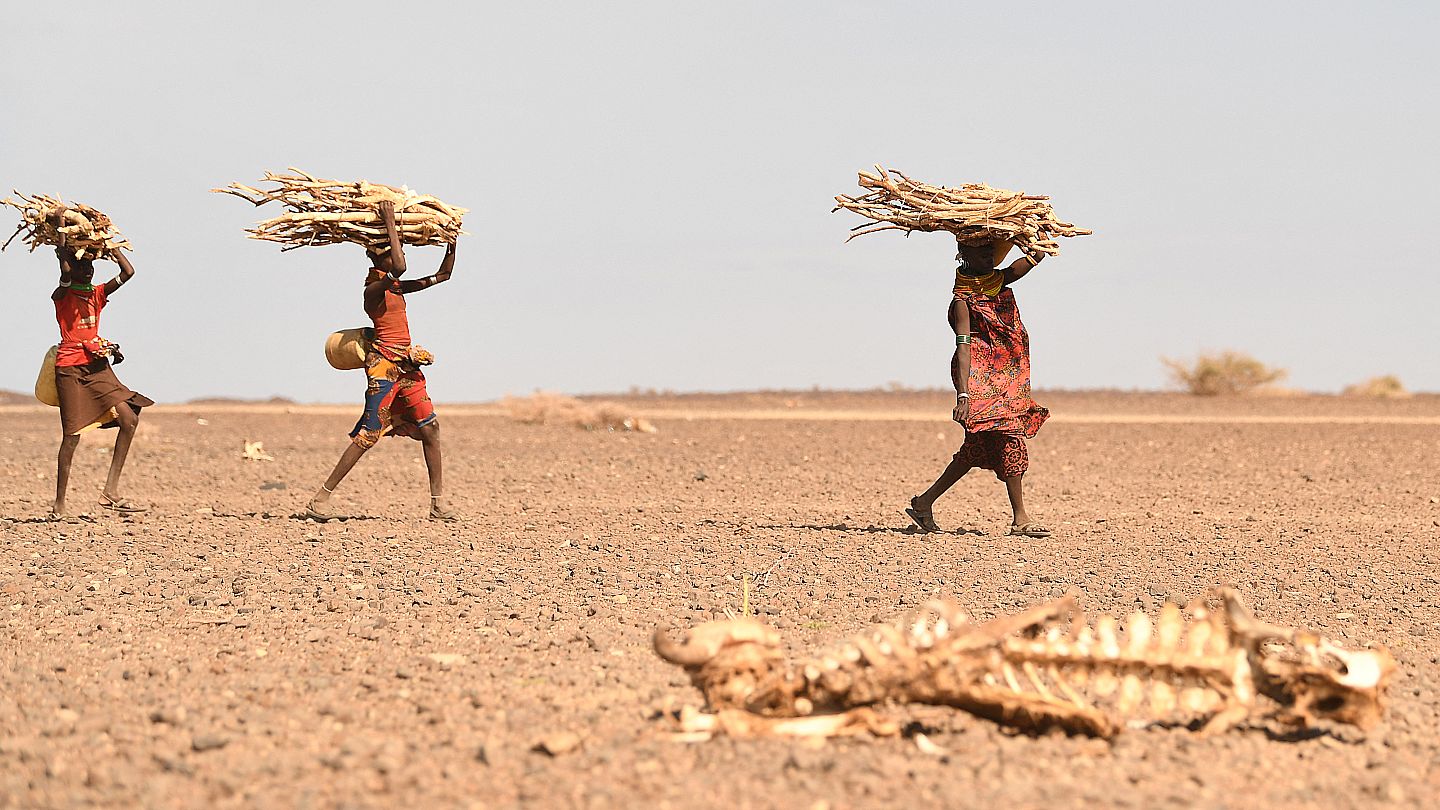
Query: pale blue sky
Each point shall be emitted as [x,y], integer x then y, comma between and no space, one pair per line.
[651,184]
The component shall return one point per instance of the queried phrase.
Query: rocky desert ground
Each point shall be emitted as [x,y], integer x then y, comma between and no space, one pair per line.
[217,651]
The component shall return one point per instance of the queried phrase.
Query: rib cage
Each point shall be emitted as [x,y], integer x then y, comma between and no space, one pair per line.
[1049,666]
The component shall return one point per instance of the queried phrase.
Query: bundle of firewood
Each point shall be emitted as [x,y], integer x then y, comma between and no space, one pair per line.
[328,212]
[973,212]
[80,229]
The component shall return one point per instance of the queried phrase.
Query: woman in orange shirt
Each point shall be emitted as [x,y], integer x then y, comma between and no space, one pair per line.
[91,396]
[396,399]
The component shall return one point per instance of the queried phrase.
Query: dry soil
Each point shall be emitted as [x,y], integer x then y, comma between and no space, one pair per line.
[217,651]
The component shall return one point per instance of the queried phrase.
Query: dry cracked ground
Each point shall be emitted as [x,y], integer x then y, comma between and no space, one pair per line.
[219,652]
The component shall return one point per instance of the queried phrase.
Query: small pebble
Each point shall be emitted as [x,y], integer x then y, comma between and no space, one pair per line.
[559,743]
[208,742]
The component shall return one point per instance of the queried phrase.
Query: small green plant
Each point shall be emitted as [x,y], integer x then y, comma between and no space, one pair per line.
[1226,372]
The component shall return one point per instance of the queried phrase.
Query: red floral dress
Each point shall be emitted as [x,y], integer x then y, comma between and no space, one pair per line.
[1002,412]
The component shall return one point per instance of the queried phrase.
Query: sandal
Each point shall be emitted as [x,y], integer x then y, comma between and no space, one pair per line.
[1031,529]
[442,513]
[311,513]
[924,520]
[124,506]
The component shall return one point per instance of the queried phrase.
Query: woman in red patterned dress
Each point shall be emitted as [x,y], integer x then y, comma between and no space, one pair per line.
[991,373]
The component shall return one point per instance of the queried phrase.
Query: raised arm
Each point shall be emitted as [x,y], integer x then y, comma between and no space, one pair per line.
[392,232]
[447,266]
[960,361]
[127,272]
[1020,267]
[67,272]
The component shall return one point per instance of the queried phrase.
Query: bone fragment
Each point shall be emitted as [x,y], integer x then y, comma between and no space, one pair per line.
[1105,628]
[1137,632]
[1162,698]
[1168,629]
[1132,692]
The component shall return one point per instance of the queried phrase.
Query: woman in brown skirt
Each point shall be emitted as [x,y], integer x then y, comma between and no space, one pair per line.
[90,394]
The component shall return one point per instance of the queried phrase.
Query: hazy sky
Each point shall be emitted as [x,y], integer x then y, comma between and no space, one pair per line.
[651,184]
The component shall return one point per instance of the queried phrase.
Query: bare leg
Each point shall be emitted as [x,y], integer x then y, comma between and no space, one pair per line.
[922,506]
[62,472]
[430,440]
[343,467]
[953,472]
[1015,489]
[129,420]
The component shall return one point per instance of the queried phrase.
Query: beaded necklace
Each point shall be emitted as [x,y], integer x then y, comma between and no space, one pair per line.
[988,284]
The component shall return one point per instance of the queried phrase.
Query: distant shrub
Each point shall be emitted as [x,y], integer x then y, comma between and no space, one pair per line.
[543,408]
[1223,373]
[1387,386]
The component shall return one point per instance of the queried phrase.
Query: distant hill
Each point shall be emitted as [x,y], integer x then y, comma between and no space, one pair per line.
[16,398]
[241,401]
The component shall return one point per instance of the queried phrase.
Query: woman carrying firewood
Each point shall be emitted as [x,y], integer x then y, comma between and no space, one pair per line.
[396,400]
[90,394]
[991,373]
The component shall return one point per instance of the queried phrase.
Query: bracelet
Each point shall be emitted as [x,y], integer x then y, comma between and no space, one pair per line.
[962,340]
[963,395]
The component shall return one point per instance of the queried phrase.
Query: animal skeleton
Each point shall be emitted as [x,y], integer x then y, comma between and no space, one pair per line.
[328,212]
[85,232]
[973,212]
[1047,667]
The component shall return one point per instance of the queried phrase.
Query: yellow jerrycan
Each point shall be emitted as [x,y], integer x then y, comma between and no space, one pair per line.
[346,349]
[45,383]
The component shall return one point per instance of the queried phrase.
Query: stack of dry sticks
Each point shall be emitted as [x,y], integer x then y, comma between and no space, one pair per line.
[80,229]
[973,212]
[328,212]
